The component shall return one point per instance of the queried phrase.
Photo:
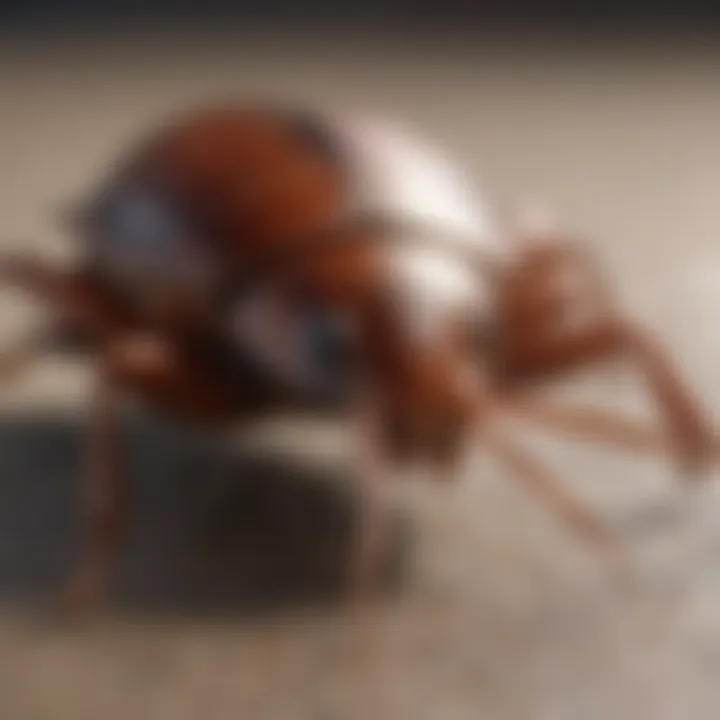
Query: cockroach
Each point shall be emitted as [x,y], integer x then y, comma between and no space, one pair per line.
[245,259]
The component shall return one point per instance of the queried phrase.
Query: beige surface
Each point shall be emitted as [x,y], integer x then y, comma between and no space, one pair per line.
[508,619]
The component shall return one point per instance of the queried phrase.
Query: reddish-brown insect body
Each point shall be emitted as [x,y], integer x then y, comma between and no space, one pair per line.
[237,203]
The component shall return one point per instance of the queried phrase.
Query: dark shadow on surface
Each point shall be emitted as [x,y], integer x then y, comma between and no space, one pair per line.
[241,533]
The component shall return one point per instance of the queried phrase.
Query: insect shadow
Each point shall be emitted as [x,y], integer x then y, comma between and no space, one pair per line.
[212,533]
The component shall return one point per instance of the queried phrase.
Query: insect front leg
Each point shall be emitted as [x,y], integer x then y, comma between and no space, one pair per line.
[20,355]
[83,306]
[104,503]
[82,316]
[369,536]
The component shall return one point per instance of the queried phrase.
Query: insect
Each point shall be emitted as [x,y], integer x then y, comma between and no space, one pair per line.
[245,259]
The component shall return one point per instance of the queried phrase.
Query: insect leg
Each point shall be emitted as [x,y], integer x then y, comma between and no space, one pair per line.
[688,431]
[593,425]
[104,503]
[579,519]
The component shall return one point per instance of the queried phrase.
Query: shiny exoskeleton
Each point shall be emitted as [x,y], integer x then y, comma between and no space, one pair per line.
[248,259]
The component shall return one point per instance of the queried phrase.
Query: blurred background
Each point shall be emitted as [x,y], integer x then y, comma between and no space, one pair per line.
[608,112]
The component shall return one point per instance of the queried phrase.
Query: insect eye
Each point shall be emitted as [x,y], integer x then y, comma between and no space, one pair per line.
[134,222]
[143,220]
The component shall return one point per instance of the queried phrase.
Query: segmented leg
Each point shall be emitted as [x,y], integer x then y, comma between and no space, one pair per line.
[533,476]
[19,357]
[103,494]
[594,425]
[369,536]
[688,431]
[543,335]
[73,297]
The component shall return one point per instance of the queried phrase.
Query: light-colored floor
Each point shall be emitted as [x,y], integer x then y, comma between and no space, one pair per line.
[507,618]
